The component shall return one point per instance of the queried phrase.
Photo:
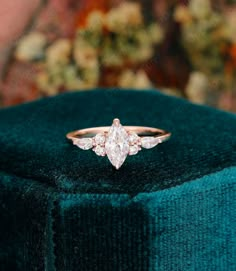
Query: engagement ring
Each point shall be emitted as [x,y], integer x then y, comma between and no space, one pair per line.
[117,141]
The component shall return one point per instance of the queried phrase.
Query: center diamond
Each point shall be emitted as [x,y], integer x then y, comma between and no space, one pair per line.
[117,144]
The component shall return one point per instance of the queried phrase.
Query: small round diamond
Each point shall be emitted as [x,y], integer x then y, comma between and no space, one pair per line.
[133,149]
[100,139]
[133,138]
[100,151]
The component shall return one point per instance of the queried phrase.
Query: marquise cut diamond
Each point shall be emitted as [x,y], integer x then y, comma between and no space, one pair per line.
[117,144]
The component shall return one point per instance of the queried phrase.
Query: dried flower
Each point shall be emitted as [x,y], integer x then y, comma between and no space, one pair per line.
[156,33]
[31,47]
[182,14]
[142,81]
[111,58]
[205,34]
[126,79]
[133,13]
[86,56]
[144,54]
[130,79]
[95,21]
[59,52]
[127,14]
[200,9]
[91,76]
[197,87]
[118,38]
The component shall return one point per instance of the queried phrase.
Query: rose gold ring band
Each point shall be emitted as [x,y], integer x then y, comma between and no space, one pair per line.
[117,142]
[139,130]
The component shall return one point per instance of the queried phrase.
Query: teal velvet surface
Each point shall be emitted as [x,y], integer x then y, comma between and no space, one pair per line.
[188,227]
[172,229]
[24,219]
[169,208]
[33,144]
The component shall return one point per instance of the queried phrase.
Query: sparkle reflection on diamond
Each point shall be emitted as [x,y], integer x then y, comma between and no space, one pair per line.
[117,144]
[100,139]
[100,151]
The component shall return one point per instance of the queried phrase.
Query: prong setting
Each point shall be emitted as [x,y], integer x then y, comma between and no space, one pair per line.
[117,142]
[116,122]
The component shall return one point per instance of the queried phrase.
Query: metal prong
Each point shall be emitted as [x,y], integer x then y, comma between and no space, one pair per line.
[116,122]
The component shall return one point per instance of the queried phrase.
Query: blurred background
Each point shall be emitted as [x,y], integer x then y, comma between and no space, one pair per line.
[179,47]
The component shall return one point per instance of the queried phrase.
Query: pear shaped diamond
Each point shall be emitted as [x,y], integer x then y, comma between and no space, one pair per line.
[117,144]
[149,142]
[83,143]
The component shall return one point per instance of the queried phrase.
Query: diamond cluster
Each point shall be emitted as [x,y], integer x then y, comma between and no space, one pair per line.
[117,143]
[134,143]
[99,142]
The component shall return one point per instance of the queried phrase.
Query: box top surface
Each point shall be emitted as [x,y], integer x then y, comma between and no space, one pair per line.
[33,143]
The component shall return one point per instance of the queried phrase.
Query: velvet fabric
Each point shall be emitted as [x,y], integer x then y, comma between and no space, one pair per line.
[168,208]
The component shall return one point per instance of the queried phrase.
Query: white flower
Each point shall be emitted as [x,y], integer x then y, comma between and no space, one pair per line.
[86,57]
[91,76]
[111,58]
[115,21]
[45,85]
[126,79]
[59,52]
[182,14]
[144,36]
[142,81]
[156,33]
[75,84]
[133,13]
[71,78]
[130,79]
[200,9]
[95,21]
[127,14]
[31,47]
[144,53]
[197,87]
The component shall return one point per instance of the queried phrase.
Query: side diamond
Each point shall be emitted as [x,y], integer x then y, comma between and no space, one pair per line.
[134,149]
[149,142]
[83,143]
[100,151]
[100,139]
[133,138]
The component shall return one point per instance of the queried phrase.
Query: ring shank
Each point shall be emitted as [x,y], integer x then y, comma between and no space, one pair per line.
[139,130]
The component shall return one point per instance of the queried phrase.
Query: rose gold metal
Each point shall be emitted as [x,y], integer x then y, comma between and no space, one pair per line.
[162,135]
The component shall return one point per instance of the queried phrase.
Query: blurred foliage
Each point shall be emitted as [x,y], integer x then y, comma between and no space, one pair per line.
[184,48]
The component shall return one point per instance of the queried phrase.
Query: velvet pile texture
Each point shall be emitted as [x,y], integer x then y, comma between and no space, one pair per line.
[171,208]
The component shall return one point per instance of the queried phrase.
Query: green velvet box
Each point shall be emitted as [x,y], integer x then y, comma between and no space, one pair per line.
[171,208]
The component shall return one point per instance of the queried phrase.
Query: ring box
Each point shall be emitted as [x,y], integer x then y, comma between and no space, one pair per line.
[168,208]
